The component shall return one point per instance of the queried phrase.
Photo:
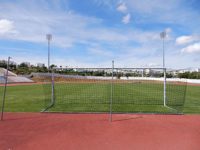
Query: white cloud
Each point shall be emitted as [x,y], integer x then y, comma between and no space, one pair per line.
[70,29]
[100,52]
[194,48]
[126,19]
[154,11]
[185,39]
[67,28]
[122,8]
[149,6]
[168,30]
[6,26]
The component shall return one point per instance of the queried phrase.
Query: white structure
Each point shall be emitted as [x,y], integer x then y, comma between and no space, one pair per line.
[40,65]
[12,77]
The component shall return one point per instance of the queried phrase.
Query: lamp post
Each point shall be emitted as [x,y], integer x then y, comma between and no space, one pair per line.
[49,38]
[163,36]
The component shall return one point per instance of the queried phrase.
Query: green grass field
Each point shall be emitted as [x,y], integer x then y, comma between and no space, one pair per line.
[88,97]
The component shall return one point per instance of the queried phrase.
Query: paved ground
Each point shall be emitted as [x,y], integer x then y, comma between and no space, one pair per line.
[37,131]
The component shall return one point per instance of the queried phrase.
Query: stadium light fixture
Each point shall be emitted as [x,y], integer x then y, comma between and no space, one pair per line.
[49,38]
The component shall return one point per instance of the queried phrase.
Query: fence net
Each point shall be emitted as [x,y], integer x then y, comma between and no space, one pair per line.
[2,83]
[21,97]
[122,90]
[138,90]
[176,94]
[79,91]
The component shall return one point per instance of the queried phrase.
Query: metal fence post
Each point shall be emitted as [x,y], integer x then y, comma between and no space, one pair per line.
[5,88]
[111,93]
[51,75]
[164,89]
[52,88]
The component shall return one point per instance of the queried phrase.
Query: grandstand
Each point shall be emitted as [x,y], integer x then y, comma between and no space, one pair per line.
[12,77]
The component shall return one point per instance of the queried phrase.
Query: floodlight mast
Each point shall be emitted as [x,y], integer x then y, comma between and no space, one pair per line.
[163,36]
[49,38]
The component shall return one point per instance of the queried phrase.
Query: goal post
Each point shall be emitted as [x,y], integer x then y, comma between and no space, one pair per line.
[113,90]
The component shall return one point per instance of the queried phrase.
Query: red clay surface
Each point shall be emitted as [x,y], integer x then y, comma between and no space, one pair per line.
[36,131]
[17,84]
[93,81]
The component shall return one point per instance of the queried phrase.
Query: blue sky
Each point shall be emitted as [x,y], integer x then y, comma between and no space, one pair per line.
[92,33]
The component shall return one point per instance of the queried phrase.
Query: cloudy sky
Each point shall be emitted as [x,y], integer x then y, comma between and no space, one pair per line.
[95,32]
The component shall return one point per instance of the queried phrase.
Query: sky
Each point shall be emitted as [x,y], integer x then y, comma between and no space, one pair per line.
[92,33]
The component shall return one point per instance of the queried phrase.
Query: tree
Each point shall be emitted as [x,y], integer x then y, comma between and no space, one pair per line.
[3,64]
[23,65]
[119,75]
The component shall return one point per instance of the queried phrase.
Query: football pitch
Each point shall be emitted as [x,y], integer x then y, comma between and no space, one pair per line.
[89,97]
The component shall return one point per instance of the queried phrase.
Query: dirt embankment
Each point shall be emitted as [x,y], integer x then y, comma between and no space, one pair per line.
[45,80]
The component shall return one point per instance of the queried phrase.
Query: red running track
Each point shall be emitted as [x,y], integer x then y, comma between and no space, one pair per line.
[36,131]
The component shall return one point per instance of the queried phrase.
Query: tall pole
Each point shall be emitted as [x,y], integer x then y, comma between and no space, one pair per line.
[5,87]
[49,38]
[52,88]
[111,92]
[163,36]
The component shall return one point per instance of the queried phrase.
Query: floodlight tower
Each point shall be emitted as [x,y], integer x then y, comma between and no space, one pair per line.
[163,36]
[49,38]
